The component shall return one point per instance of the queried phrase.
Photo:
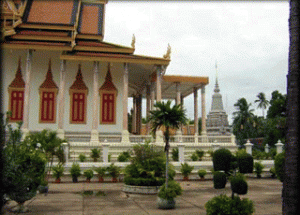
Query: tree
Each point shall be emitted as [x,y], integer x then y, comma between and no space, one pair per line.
[277,105]
[168,117]
[263,102]
[243,120]
[291,192]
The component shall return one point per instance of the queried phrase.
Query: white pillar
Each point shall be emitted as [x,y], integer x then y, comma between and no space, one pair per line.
[203,125]
[181,152]
[125,133]
[105,150]
[61,99]
[158,83]
[25,128]
[196,114]
[178,102]
[248,146]
[66,151]
[267,148]
[279,147]
[95,119]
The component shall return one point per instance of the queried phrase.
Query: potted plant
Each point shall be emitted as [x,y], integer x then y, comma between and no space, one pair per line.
[202,173]
[219,179]
[186,171]
[258,168]
[114,172]
[175,154]
[194,156]
[82,157]
[88,174]
[75,172]
[200,154]
[101,173]
[166,196]
[95,154]
[58,171]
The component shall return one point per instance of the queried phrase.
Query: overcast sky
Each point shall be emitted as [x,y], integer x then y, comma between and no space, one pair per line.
[249,40]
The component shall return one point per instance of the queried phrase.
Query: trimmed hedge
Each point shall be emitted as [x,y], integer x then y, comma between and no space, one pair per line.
[222,159]
[144,181]
[279,165]
[219,179]
[245,163]
[238,184]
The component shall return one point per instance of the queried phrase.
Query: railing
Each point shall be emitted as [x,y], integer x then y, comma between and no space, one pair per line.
[110,138]
[139,138]
[78,136]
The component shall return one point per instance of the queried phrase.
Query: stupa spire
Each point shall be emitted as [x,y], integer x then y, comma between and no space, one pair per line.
[217,89]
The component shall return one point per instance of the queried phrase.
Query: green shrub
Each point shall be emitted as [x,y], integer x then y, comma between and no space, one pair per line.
[224,205]
[144,181]
[202,173]
[258,154]
[175,154]
[171,172]
[258,168]
[238,184]
[219,179]
[95,154]
[200,154]
[194,156]
[101,171]
[174,189]
[245,162]
[124,157]
[75,170]
[114,171]
[222,159]
[82,157]
[279,165]
[273,172]
[88,173]
[273,152]
[211,153]
[186,169]
[58,171]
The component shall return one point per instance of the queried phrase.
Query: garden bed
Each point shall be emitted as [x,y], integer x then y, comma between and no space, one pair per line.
[148,190]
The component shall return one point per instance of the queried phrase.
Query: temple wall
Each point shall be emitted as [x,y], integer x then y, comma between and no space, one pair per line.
[40,61]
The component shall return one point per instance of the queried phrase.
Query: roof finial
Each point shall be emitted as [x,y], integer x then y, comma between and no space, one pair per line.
[133,42]
[168,54]
[217,85]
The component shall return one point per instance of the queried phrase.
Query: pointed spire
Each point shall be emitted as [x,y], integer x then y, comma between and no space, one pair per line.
[108,84]
[78,83]
[18,81]
[216,90]
[49,83]
[133,42]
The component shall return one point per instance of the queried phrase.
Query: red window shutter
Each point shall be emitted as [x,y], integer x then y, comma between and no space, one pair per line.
[78,107]
[16,105]
[108,108]
[47,107]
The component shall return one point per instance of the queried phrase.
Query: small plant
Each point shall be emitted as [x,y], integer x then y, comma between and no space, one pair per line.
[273,172]
[109,157]
[175,154]
[101,171]
[58,172]
[210,152]
[171,172]
[279,165]
[174,189]
[75,172]
[89,174]
[200,154]
[82,157]
[114,172]
[124,157]
[224,205]
[258,168]
[194,156]
[238,184]
[202,173]
[95,154]
[186,170]
[219,179]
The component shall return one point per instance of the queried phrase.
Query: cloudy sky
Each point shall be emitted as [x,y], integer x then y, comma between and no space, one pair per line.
[249,41]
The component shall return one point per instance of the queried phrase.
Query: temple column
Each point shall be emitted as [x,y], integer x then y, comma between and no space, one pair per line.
[61,100]
[125,133]
[25,128]
[133,123]
[196,114]
[152,95]
[138,114]
[148,107]
[203,125]
[178,102]
[159,133]
[95,122]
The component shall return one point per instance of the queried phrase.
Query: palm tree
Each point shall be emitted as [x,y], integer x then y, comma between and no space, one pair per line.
[263,102]
[168,117]
[290,192]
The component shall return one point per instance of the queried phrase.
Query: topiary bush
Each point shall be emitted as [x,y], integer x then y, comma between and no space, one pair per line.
[279,165]
[194,157]
[224,205]
[238,184]
[174,189]
[245,162]
[222,159]
[89,174]
[258,168]
[82,157]
[219,179]
[202,173]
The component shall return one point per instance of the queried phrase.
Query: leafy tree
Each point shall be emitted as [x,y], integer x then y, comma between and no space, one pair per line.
[24,167]
[169,117]
[277,105]
[263,102]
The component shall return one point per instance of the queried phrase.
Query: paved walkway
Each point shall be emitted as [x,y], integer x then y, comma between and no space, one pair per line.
[65,198]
